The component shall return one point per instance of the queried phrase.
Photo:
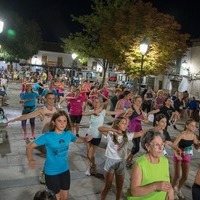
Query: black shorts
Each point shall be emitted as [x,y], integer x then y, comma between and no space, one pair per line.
[58,182]
[95,141]
[75,119]
[196,191]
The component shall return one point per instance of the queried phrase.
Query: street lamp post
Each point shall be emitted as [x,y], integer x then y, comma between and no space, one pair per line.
[143,50]
[74,65]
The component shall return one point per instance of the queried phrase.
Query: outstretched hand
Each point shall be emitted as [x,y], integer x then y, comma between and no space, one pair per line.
[10,121]
[33,163]
[146,120]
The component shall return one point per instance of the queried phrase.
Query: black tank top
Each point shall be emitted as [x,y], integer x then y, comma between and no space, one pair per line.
[185,143]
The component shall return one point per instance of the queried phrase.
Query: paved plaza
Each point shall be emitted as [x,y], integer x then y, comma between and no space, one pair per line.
[18,182]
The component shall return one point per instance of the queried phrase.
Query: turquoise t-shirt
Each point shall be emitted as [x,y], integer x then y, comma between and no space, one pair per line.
[30,99]
[152,172]
[57,146]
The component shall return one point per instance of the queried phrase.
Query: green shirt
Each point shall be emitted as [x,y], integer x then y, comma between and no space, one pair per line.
[152,172]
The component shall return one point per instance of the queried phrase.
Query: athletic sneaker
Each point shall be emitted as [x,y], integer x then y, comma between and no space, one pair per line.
[42,177]
[25,136]
[32,136]
[176,196]
[178,193]
[87,173]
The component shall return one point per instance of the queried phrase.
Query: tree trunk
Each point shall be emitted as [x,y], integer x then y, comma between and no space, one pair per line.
[134,89]
[105,67]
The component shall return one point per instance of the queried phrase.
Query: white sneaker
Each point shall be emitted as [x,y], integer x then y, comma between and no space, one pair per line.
[176,196]
[88,173]
[42,177]
[176,193]
[180,194]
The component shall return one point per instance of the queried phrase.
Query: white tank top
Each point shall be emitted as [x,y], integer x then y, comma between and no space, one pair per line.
[47,115]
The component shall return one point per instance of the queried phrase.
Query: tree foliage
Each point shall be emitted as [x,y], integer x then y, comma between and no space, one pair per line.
[140,20]
[21,38]
[88,43]
[114,30]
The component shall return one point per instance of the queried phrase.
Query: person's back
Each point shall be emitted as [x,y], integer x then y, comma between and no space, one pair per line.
[44,194]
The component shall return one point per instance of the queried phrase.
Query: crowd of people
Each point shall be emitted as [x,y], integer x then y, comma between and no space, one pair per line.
[150,177]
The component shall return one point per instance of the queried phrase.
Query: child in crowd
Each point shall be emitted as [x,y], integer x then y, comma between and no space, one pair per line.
[184,141]
[116,153]
[56,141]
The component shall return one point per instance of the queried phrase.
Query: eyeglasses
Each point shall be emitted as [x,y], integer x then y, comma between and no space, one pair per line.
[157,145]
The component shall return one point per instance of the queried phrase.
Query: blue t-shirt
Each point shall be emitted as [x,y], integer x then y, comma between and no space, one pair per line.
[30,99]
[36,87]
[57,146]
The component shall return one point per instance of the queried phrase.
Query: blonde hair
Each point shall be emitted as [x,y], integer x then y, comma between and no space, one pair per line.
[159,92]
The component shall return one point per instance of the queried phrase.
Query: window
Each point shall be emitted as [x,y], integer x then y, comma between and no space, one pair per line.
[94,65]
[44,60]
[59,61]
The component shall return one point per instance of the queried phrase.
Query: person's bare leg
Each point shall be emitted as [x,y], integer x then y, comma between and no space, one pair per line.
[108,184]
[119,186]
[64,194]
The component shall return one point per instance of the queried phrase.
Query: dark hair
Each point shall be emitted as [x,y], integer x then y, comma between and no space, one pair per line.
[115,126]
[160,116]
[166,99]
[148,137]
[44,194]
[49,93]
[55,116]
[126,92]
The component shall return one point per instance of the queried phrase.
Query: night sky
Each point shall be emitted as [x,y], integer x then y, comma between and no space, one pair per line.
[53,16]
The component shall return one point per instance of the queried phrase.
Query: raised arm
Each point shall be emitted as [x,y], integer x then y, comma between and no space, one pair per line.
[91,112]
[153,112]
[38,112]
[118,105]
[116,112]
[105,129]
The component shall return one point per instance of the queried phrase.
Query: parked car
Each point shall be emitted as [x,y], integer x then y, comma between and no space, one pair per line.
[112,78]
